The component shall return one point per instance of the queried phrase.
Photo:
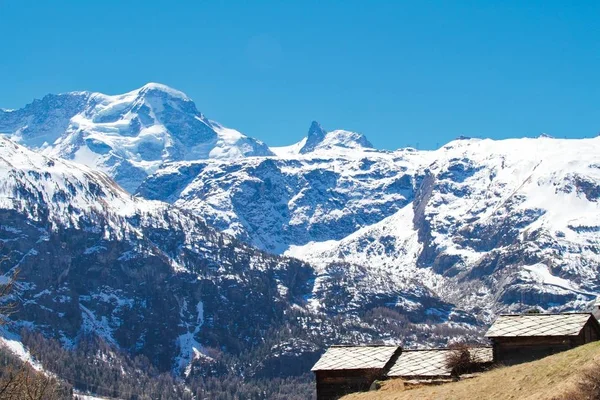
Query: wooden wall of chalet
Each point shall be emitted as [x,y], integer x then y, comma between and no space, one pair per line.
[516,350]
[331,385]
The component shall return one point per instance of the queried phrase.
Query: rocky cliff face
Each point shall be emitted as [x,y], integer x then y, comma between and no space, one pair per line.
[274,203]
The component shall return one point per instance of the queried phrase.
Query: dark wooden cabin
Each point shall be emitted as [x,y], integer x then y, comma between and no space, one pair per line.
[527,337]
[348,369]
[430,366]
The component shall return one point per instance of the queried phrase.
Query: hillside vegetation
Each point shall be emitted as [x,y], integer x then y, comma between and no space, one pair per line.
[556,377]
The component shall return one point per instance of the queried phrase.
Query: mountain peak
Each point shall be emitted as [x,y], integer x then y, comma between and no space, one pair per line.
[316,134]
[315,128]
[347,139]
[153,87]
[126,135]
[318,138]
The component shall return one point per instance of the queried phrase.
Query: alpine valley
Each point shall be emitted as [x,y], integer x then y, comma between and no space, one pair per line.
[155,236]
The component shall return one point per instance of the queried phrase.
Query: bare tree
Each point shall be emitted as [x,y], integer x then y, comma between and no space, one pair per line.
[461,359]
[26,383]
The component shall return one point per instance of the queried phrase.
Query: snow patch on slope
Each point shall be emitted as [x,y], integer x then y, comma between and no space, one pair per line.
[12,342]
[540,274]
[189,348]
[288,151]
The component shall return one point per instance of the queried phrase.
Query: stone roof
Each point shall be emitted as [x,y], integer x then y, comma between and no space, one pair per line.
[355,357]
[538,325]
[431,363]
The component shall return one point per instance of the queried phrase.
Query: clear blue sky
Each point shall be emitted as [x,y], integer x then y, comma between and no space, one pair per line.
[400,72]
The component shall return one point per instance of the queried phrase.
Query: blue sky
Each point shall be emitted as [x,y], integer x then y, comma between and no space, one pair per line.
[403,73]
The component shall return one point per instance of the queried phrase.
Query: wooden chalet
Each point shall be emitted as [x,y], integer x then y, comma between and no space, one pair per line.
[527,337]
[430,366]
[348,369]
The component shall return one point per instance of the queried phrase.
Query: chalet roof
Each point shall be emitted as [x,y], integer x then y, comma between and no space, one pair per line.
[431,363]
[538,325]
[355,357]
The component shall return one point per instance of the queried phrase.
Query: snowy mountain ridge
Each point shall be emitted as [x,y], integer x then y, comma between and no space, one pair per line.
[488,225]
[130,136]
[494,225]
[321,142]
[273,202]
[514,221]
[127,136]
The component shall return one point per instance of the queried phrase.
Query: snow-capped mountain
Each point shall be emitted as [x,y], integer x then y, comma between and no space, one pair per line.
[153,279]
[93,259]
[487,225]
[361,244]
[493,226]
[298,197]
[484,225]
[219,249]
[319,140]
[127,136]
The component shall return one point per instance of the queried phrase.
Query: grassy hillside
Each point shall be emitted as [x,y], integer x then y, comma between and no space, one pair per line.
[553,377]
